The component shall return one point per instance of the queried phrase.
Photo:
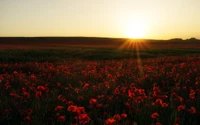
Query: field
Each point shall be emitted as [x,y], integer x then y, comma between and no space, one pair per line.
[134,83]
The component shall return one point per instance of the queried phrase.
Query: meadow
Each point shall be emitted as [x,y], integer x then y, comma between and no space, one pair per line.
[100,85]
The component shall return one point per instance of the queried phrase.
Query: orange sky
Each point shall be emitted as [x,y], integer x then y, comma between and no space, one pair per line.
[154,19]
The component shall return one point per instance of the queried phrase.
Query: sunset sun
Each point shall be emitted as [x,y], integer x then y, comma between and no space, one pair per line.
[135,30]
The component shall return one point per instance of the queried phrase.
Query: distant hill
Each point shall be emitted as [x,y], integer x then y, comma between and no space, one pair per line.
[28,40]
[13,42]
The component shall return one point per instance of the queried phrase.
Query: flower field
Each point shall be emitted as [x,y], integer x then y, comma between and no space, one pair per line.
[154,91]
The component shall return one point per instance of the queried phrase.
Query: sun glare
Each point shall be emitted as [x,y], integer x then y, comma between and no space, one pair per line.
[135,29]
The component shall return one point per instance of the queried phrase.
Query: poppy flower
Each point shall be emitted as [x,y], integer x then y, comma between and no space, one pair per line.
[93,101]
[83,118]
[61,118]
[123,115]
[72,108]
[181,107]
[28,119]
[28,111]
[154,115]
[192,110]
[58,108]
[110,121]
[117,117]
[38,94]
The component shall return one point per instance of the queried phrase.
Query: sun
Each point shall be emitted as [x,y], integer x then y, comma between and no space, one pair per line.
[134,30]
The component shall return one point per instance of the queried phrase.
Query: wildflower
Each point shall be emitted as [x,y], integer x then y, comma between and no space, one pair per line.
[61,118]
[158,102]
[38,94]
[110,121]
[33,77]
[83,118]
[58,84]
[58,108]
[72,108]
[127,105]
[93,101]
[28,119]
[141,91]
[181,107]
[158,123]
[116,91]
[60,97]
[64,101]
[80,110]
[117,117]
[70,103]
[28,111]
[156,89]
[100,105]
[123,115]
[130,94]
[192,94]
[192,110]
[179,99]
[154,115]
[41,88]
[26,94]
[85,85]
[164,105]
[13,94]
[15,72]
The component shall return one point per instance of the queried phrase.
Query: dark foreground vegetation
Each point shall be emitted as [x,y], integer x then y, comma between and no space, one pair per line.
[129,84]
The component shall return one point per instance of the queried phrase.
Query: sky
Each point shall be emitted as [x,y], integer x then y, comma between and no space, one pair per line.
[153,19]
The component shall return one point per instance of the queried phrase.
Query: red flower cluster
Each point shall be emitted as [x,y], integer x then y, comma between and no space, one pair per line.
[105,91]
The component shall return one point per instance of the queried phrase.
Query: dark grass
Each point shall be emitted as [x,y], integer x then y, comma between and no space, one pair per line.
[55,54]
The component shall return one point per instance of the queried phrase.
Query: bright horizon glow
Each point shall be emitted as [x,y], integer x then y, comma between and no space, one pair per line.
[135,32]
[149,19]
[135,29]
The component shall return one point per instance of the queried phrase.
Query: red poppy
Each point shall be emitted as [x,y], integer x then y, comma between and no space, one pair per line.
[154,115]
[123,115]
[60,97]
[130,94]
[110,121]
[61,118]
[59,108]
[83,118]
[158,102]
[38,94]
[164,105]
[72,108]
[41,88]
[80,110]
[192,110]
[158,123]
[28,119]
[117,117]
[28,111]
[93,101]
[181,107]
[33,77]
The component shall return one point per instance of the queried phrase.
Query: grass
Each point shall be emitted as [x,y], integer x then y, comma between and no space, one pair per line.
[87,53]
[33,79]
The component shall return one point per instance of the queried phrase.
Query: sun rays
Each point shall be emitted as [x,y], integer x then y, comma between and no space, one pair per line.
[134,46]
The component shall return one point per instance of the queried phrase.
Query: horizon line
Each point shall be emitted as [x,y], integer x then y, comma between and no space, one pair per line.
[96,37]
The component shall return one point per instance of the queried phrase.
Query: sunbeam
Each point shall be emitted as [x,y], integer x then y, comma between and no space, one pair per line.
[136,46]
